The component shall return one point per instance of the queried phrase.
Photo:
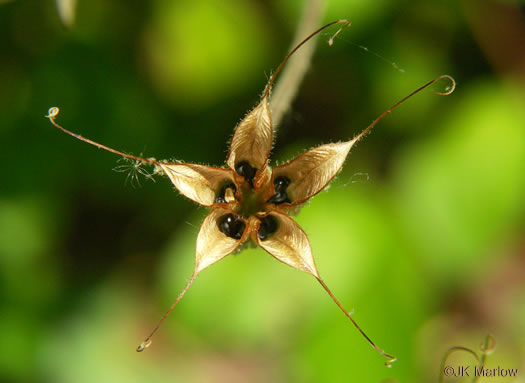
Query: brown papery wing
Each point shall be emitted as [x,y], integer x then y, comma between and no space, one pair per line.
[197,182]
[212,244]
[252,140]
[312,171]
[290,245]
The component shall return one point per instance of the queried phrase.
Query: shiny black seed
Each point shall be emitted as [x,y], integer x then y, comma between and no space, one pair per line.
[220,197]
[268,226]
[279,198]
[281,183]
[245,170]
[231,226]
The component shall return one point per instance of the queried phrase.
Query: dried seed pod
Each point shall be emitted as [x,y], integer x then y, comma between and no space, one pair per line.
[244,203]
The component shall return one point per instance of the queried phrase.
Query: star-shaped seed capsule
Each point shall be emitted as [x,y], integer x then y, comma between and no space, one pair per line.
[250,201]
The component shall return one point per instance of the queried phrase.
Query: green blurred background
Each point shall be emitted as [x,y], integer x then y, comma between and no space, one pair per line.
[421,234]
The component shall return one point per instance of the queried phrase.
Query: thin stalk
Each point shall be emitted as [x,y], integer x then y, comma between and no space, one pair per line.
[447,91]
[268,88]
[391,358]
[53,113]
[147,341]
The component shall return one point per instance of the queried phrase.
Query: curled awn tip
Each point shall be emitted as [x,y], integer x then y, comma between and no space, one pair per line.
[346,24]
[53,112]
[144,345]
[449,89]
[488,345]
[390,361]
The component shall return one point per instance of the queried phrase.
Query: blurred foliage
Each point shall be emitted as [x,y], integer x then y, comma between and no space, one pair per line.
[428,251]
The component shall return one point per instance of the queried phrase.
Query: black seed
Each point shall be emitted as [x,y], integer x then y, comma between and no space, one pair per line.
[268,226]
[245,170]
[220,197]
[231,226]
[281,183]
[279,198]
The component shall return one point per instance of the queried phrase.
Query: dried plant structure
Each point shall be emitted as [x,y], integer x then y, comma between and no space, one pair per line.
[249,201]
[134,170]
[486,348]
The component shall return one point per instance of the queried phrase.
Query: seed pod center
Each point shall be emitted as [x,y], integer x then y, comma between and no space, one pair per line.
[225,193]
